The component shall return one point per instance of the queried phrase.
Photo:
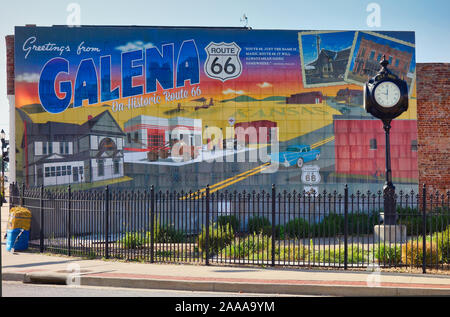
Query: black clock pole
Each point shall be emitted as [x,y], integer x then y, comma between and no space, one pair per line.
[386,112]
[388,188]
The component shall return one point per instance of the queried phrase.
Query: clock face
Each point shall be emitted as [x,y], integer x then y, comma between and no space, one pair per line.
[387,94]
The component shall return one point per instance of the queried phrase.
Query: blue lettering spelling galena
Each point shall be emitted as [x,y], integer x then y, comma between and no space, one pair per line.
[156,65]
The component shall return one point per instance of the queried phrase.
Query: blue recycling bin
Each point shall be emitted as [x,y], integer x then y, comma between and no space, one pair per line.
[17,239]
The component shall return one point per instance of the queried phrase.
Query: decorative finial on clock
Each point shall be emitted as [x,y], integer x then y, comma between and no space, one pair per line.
[384,62]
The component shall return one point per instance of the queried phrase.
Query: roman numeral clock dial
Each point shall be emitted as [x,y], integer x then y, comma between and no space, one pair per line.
[387,94]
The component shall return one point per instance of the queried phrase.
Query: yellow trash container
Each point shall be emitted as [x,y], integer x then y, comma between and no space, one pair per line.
[18,230]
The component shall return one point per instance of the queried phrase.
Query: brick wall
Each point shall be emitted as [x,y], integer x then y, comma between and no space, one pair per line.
[433,124]
[10,64]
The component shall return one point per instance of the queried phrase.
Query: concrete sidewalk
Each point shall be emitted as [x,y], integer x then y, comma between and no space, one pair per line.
[38,268]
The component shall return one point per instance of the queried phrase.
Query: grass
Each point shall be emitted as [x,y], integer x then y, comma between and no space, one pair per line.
[357,255]
[294,254]
[98,184]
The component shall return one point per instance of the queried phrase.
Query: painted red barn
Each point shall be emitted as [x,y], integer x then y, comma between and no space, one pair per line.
[312,97]
[261,130]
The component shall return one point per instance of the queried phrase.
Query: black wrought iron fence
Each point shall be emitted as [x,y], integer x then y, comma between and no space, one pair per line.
[257,228]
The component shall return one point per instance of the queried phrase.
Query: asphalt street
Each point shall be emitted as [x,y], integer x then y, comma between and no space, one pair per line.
[19,289]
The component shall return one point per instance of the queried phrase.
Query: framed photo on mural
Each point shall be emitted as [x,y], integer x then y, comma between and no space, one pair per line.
[324,57]
[368,50]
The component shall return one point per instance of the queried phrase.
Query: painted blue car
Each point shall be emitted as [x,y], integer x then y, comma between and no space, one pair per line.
[295,155]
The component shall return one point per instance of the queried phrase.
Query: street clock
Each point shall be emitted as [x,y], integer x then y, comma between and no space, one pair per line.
[386,97]
[385,94]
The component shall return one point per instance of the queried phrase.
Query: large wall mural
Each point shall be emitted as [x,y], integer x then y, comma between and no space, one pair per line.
[181,108]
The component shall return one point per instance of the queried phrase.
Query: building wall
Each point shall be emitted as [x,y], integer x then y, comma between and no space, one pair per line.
[433,111]
[9,64]
[55,179]
[108,169]
[360,148]
[433,120]
[9,39]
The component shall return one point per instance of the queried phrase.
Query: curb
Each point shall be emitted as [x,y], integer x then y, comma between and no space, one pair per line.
[256,288]
[15,277]
[232,287]
[46,278]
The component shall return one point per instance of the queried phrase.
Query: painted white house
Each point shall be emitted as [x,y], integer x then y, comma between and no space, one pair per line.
[58,153]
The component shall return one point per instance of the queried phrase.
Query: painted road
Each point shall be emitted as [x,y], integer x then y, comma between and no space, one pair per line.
[242,176]
[226,174]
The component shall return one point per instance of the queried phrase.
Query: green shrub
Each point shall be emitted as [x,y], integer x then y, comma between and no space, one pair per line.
[279,232]
[356,255]
[259,224]
[362,223]
[334,224]
[413,220]
[218,238]
[388,254]
[331,255]
[296,228]
[231,219]
[438,220]
[292,253]
[443,241]
[263,225]
[331,225]
[410,218]
[257,246]
[166,234]
[132,240]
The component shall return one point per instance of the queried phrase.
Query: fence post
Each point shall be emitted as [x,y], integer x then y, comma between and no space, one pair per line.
[12,192]
[345,227]
[41,214]
[152,224]
[22,195]
[273,224]
[69,220]
[207,226]
[106,230]
[424,229]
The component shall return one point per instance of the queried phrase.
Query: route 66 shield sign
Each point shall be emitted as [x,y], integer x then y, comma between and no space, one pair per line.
[223,61]
[310,174]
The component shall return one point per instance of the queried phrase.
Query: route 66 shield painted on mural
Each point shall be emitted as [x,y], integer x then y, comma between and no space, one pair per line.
[310,174]
[223,61]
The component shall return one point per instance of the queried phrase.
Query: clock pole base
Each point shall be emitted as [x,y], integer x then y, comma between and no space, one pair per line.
[389,234]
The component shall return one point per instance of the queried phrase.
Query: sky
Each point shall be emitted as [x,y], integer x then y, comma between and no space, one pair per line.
[429,19]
